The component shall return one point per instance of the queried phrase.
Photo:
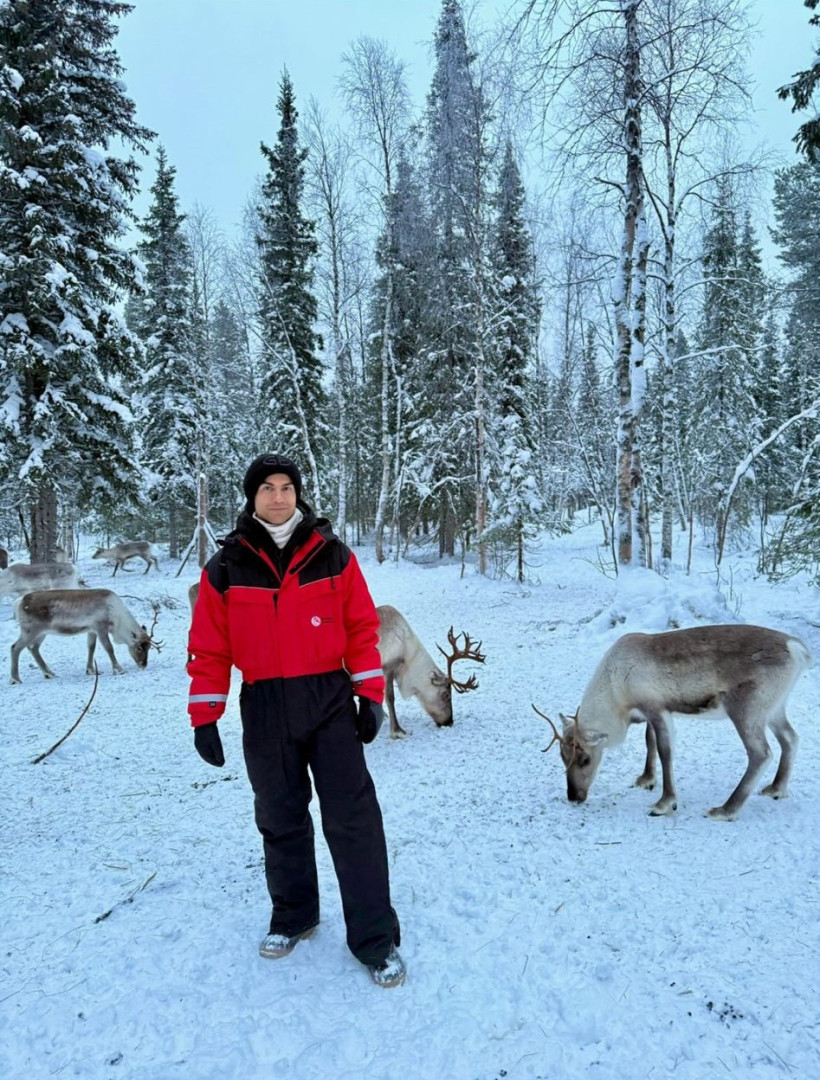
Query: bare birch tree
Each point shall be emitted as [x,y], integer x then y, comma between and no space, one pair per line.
[375,88]
[328,168]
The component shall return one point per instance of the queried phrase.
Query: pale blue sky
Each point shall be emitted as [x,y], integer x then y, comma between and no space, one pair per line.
[205,74]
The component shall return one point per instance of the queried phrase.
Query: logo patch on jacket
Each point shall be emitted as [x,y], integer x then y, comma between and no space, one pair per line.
[317,620]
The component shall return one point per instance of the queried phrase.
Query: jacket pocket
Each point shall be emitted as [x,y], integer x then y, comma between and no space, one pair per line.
[252,627]
[322,617]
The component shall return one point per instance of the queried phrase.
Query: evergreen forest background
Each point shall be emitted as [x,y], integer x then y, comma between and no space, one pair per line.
[538,293]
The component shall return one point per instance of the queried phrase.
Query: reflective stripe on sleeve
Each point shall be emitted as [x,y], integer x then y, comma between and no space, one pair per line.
[196,698]
[361,675]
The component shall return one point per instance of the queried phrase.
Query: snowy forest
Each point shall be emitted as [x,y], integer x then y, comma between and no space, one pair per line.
[537,294]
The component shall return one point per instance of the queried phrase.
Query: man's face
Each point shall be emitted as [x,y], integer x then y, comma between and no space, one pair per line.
[275,501]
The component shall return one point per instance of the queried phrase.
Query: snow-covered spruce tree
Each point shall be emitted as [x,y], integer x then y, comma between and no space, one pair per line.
[727,345]
[293,401]
[797,202]
[802,90]
[234,395]
[66,357]
[446,444]
[404,258]
[162,318]
[515,503]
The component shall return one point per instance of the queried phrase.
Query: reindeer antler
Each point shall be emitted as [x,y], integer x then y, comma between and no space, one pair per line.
[468,651]
[555,736]
[155,606]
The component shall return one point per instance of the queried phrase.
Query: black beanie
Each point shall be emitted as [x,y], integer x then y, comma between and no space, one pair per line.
[263,467]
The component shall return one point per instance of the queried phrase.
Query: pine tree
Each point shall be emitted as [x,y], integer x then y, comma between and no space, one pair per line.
[234,389]
[797,203]
[296,405]
[727,371]
[405,245]
[802,90]
[516,505]
[66,357]
[163,321]
[455,169]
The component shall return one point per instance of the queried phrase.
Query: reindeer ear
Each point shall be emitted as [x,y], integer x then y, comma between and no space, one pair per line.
[566,720]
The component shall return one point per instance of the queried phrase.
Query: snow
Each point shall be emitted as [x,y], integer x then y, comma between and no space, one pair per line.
[542,939]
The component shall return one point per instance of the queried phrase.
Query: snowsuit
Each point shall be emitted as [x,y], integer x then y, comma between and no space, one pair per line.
[301,627]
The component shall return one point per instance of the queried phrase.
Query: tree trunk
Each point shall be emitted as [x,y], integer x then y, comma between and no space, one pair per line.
[622,288]
[203,547]
[173,531]
[386,354]
[43,524]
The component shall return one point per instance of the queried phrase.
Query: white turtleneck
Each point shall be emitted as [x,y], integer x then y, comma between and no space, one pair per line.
[280,534]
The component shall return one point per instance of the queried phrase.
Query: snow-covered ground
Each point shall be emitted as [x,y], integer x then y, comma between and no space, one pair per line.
[543,939]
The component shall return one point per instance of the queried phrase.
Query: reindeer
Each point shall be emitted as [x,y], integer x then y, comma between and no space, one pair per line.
[4,559]
[747,672]
[119,554]
[406,661]
[98,612]
[25,577]
[193,593]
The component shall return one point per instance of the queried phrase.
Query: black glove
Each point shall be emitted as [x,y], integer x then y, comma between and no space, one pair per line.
[369,720]
[208,744]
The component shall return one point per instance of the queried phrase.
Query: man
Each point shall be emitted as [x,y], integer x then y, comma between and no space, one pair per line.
[286,603]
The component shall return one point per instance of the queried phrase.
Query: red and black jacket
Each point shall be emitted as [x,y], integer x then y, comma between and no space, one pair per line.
[312,616]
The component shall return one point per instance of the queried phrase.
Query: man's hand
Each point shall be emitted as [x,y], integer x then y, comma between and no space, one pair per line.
[209,745]
[369,720]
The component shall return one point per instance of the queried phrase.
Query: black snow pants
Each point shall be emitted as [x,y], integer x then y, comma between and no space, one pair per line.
[291,726]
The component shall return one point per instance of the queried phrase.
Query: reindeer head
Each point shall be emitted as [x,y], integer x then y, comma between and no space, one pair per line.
[443,714]
[142,641]
[581,753]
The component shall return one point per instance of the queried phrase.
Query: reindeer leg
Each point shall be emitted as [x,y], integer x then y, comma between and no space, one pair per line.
[105,641]
[740,707]
[788,739]
[396,730]
[647,777]
[34,649]
[92,643]
[668,802]
[16,649]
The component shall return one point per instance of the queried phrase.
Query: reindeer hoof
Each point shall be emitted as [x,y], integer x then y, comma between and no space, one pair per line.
[720,813]
[774,793]
[400,734]
[661,809]
[645,782]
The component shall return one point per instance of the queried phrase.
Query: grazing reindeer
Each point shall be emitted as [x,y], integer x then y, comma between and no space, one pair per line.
[4,559]
[119,554]
[746,671]
[406,661]
[26,577]
[98,612]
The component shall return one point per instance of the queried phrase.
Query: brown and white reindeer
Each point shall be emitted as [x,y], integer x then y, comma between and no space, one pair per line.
[26,577]
[746,672]
[406,661]
[119,554]
[98,612]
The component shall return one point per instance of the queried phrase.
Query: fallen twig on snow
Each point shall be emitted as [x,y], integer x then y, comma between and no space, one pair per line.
[42,757]
[128,899]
